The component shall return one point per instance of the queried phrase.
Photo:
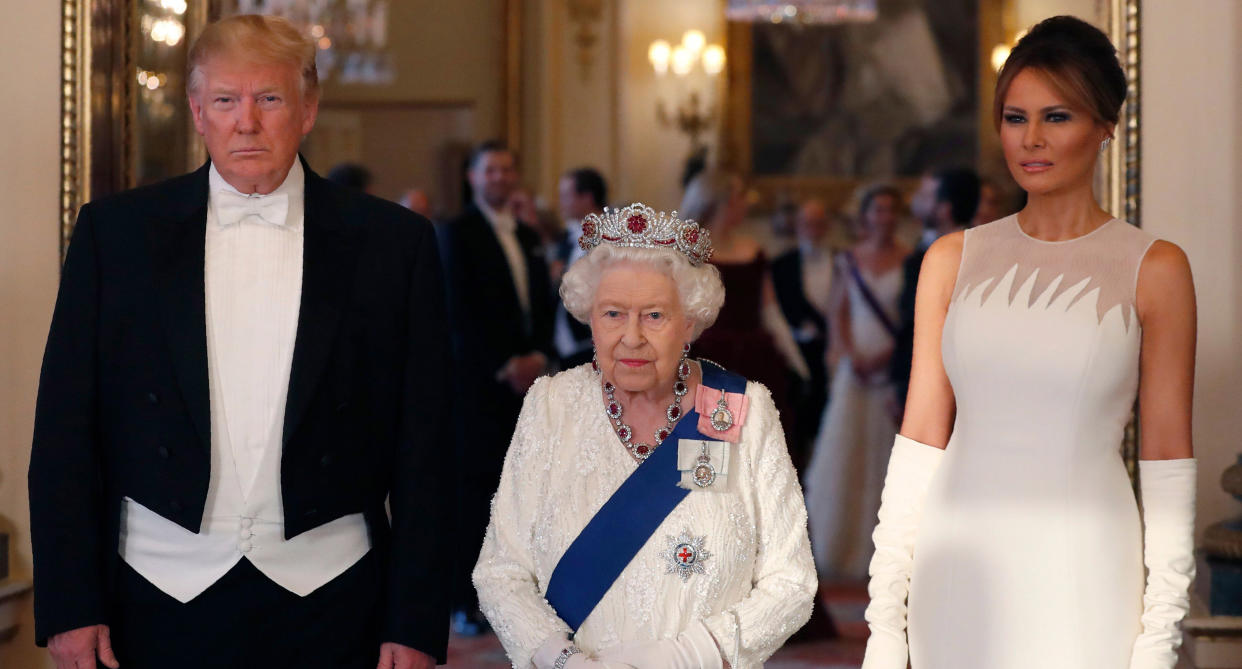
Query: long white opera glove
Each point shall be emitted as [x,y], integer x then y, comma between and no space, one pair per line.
[1168,490]
[546,655]
[694,648]
[910,470]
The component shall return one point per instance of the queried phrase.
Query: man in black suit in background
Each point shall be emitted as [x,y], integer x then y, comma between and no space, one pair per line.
[500,311]
[945,202]
[244,364]
[581,191]
[802,278]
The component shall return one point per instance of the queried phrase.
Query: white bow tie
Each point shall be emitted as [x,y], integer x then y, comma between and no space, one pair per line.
[233,207]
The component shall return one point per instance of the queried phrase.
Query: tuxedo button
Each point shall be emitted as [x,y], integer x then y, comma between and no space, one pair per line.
[311,513]
[245,534]
[174,505]
[163,451]
[325,460]
[246,522]
[245,546]
[152,398]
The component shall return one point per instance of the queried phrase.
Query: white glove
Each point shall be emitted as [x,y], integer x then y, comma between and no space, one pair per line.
[692,649]
[1168,490]
[546,655]
[910,470]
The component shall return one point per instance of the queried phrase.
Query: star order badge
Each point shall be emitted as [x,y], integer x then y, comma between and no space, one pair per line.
[685,554]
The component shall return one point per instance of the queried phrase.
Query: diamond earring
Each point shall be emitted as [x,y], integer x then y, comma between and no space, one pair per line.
[1104,144]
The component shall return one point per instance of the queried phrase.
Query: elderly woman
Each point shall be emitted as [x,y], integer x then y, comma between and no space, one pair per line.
[648,514]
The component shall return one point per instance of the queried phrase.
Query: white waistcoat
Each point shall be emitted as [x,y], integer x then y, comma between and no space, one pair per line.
[253,277]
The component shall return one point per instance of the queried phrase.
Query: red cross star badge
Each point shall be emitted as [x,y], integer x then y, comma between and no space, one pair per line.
[685,554]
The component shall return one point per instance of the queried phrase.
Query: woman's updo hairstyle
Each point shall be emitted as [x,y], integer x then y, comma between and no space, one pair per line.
[1080,62]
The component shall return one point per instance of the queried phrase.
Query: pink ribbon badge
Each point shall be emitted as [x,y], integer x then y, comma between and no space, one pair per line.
[707,404]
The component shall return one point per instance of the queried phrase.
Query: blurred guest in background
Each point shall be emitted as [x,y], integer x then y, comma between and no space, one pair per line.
[417,201]
[352,175]
[946,202]
[846,472]
[750,335]
[783,226]
[802,278]
[500,313]
[992,203]
[581,191]
[530,209]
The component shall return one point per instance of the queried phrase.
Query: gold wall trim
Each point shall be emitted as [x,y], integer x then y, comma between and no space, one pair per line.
[511,87]
[75,138]
[1132,167]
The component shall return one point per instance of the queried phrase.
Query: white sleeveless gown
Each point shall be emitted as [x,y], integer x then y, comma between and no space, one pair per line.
[1029,552]
[845,476]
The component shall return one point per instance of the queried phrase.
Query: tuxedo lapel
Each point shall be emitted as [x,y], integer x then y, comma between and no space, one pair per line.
[177,241]
[330,254]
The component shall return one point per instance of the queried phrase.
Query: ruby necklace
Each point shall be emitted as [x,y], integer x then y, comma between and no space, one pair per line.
[642,450]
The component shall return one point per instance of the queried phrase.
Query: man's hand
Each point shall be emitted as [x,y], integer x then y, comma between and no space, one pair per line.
[76,649]
[522,370]
[396,656]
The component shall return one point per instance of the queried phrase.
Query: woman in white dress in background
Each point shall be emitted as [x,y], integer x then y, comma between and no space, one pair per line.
[846,471]
[1007,514]
[648,514]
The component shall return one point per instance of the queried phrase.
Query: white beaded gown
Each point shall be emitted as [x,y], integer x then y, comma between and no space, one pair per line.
[845,476]
[1029,551]
[565,461]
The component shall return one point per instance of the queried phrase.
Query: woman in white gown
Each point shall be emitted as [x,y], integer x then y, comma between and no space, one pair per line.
[1007,513]
[846,471]
[608,548]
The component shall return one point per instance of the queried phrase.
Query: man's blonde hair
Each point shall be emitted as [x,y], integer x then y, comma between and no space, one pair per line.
[268,40]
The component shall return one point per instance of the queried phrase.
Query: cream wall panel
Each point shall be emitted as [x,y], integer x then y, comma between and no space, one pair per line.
[29,210]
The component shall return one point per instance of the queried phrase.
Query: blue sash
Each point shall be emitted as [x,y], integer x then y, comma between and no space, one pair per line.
[627,520]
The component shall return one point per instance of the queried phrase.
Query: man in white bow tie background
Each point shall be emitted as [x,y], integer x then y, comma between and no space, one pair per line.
[244,363]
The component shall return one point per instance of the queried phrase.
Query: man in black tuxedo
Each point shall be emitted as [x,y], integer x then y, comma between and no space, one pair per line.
[945,202]
[244,364]
[802,278]
[500,310]
[581,192]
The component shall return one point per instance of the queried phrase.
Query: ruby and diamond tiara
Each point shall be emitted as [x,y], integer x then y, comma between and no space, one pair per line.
[640,226]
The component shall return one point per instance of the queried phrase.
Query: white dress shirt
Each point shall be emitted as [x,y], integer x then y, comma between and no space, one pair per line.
[505,227]
[566,344]
[817,276]
[253,288]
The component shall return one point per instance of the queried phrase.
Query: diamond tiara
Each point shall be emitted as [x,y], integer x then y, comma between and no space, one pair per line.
[640,226]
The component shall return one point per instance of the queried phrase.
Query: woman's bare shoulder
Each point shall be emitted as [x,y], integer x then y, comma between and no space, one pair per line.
[944,256]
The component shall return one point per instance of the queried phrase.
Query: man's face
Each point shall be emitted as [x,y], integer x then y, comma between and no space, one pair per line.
[574,205]
[252,118]
[493,177]
[812,222]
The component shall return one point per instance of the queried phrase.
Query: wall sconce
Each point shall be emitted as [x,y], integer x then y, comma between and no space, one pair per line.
[694,64]
[1000,52]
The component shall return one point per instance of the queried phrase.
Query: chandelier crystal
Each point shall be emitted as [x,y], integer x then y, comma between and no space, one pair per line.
[806,12]
[351,36]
